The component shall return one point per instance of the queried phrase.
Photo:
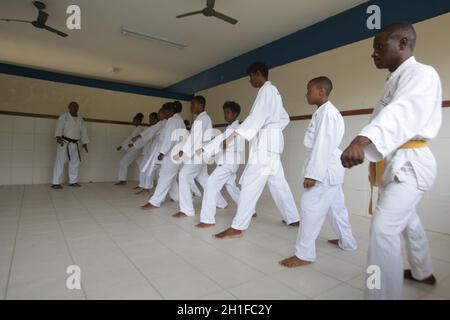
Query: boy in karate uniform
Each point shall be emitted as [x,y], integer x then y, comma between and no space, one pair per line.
[264,128]
[70,132]
[194,166]
[148,140]
[323,176]
[227,160]
[169,169]
[131,154]
[408,115]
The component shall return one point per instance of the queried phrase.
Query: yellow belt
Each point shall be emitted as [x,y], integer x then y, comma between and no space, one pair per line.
[377,168]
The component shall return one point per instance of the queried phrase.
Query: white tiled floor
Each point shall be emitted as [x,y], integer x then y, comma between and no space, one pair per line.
[125,253]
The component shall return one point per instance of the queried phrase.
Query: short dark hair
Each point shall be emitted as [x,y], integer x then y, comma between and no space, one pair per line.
[258,66]
[402,29]
[139,116]
[324,83]
[233,106]
[73,103]
[178,106]
[154,115]
[168,106]
[200,99]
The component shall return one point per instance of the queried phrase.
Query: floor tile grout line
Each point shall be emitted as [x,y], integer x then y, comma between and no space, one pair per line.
[238,258]
[235,258]
[65,240]
[5,295]
[170,249]
[121,250]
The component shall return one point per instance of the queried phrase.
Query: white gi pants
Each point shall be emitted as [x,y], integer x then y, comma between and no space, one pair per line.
[167,182]
[125,162]
[222,175]
[188,173]
[394,215]
[319,202]
[62,158]
[254,178]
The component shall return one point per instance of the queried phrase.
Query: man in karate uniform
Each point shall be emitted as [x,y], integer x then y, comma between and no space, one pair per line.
[131,154]
[148,141]
[70,132]
[178,108]
[169,168]
[264,128]
[408,115]
[323,176]
[194,167]
[227,160]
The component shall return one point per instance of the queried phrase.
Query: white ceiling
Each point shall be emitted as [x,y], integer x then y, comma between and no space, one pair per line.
[99,46]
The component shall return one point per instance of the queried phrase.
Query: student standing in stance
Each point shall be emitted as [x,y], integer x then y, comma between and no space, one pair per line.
[131,154]
[227,160]
[70,132]
[264,128]
[407,116]
[167,180]
[323,176]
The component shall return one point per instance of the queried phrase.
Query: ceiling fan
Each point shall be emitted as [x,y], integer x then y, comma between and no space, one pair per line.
[210,12]
[40,21]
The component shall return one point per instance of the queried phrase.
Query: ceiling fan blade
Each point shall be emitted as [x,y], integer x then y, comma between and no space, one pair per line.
[210,3]
[224,17]
[15,20]
[189,14]
[60,33]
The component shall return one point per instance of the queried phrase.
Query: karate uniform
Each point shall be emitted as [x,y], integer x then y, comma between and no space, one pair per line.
[326,198]
[131,154]
[195,167]
[150,145]
[410,108]
[264,129]
[228,161]
[169,168]
[74,132]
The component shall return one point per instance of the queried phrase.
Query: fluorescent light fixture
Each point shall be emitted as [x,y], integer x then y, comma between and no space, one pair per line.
[129,32]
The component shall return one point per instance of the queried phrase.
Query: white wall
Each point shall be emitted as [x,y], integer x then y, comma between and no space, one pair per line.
[27,151]
[434,209]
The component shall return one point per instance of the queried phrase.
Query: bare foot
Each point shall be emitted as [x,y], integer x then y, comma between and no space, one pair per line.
[180,215]
[56,186]
[120,183]
[431,280]
[75,185]
[293,224]
[137,188]
[202,225]
[143,191]
[254,215]
[293,262]
[148,206]
[334,241]
[230,233]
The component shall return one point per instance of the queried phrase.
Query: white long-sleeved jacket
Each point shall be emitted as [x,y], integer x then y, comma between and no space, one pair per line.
[410,108]
[321,142]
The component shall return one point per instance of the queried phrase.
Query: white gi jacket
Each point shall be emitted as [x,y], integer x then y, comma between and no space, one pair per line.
[133,134]
[232,153]
[266,121]
[72,128]
[410,108]
[201,133]
[322,139]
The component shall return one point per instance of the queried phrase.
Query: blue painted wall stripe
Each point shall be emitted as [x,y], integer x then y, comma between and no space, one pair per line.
[339,30]
[87,82]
